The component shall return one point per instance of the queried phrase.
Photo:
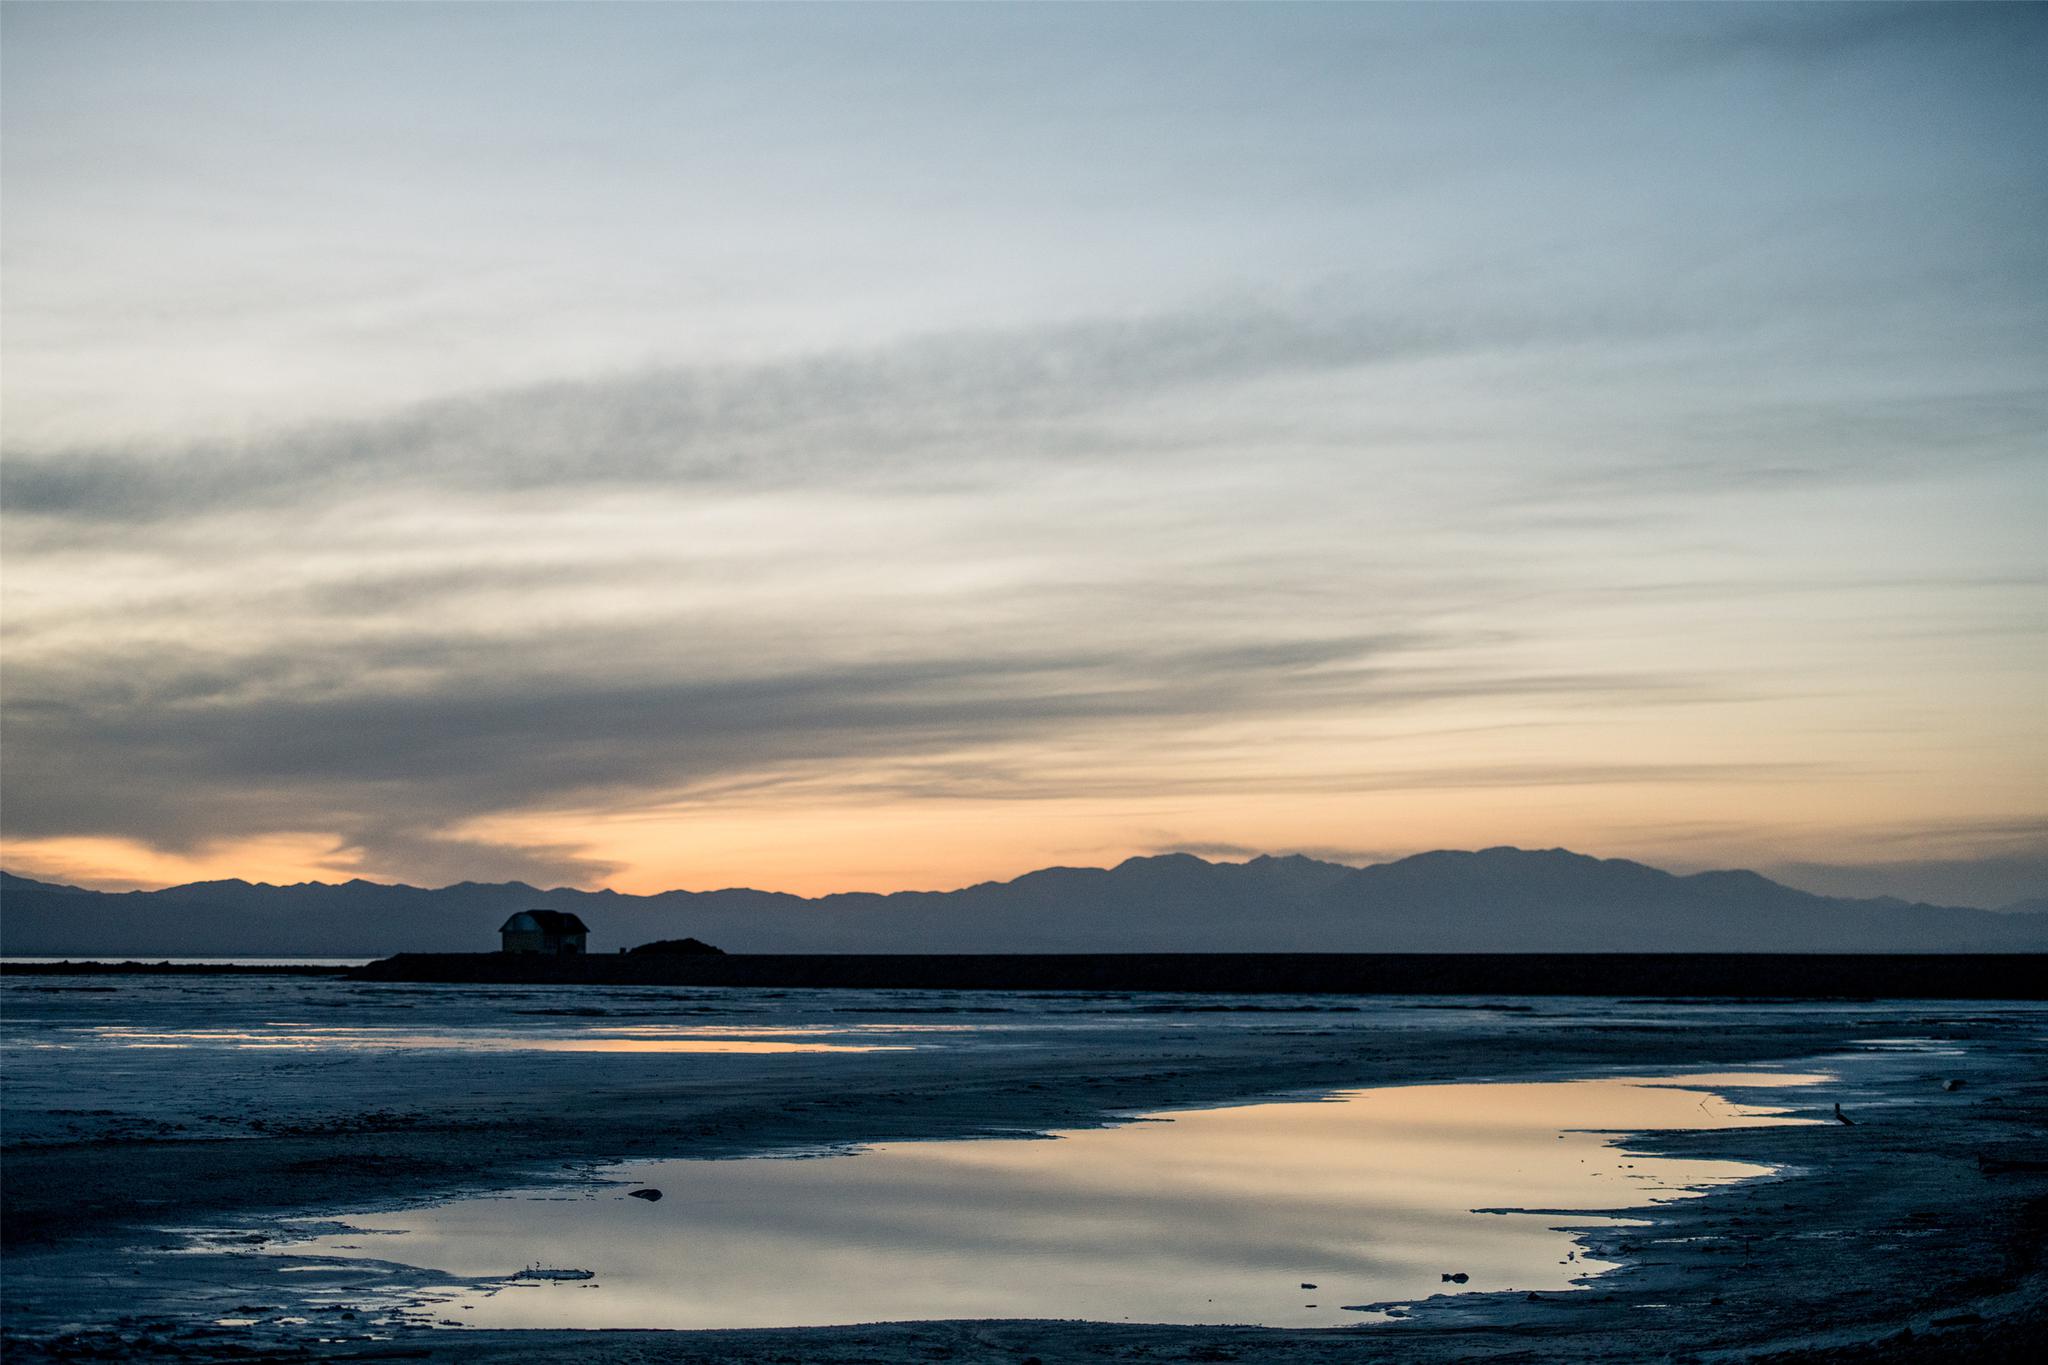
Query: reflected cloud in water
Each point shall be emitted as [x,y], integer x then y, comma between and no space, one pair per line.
[1206,1216]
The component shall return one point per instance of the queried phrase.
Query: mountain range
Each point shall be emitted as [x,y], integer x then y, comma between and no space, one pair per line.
[1493,900]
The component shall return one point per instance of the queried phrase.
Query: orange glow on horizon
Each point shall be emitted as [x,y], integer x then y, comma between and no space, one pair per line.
[830,847]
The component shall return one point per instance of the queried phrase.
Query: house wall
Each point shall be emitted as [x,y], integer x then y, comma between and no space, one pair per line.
[548,945]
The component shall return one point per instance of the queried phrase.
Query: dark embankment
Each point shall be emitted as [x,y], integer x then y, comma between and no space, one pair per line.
[1959,976]
[169,969]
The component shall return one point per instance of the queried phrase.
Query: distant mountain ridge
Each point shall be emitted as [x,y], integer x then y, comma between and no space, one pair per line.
[1492,900]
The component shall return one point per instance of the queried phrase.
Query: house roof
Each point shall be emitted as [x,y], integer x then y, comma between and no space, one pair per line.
[543,921]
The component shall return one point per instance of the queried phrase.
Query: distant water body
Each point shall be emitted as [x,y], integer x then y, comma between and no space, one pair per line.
[191,961]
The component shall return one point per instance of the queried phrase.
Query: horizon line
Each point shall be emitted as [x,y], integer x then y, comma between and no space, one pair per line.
[969,886]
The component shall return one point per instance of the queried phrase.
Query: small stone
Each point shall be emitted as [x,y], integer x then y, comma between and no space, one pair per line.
[649,1195]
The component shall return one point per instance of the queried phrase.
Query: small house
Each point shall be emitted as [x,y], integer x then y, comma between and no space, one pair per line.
[551,933]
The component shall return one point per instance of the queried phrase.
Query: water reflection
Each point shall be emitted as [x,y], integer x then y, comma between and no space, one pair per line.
[287,1037]
[1207,1216]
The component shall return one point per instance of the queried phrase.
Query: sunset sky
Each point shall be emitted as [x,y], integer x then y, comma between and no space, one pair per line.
[866,448]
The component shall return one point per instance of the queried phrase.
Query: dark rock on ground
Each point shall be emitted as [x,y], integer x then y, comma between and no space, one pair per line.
[677,947]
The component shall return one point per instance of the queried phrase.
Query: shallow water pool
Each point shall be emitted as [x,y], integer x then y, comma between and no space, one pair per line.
[1288,1213]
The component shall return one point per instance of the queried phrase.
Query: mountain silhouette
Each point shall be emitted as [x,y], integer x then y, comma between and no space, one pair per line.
[1494,900]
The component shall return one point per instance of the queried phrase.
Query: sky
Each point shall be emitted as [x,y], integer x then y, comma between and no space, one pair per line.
[848,447]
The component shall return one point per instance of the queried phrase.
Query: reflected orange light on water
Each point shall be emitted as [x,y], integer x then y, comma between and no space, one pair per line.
[622,1040]
[1202,1216]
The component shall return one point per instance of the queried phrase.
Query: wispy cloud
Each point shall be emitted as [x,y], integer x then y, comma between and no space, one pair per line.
[395,743]
[962,400]
[964,408]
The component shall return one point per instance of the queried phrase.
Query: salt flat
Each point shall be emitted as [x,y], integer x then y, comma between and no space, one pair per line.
[153,1116]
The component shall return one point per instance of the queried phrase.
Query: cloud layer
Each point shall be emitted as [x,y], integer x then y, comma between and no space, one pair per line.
[1321,428]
